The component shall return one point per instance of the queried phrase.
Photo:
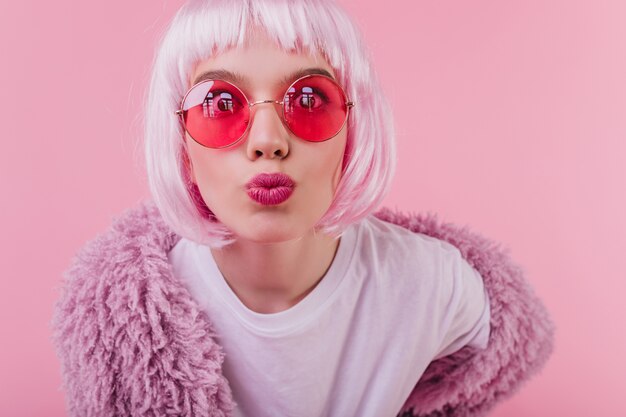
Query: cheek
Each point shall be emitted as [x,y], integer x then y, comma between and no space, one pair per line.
[337,164]
[337,177]
[209,170]
[326,167]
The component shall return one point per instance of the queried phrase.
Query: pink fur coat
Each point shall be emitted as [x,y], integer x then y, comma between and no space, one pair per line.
[133,342]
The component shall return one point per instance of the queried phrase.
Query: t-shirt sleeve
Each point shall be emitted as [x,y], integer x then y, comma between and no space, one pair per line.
[467,317]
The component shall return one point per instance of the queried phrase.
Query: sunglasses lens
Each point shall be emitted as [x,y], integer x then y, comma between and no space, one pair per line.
[217,113]
[315,108]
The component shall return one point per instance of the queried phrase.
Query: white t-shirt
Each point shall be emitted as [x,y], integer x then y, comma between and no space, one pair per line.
[391,302]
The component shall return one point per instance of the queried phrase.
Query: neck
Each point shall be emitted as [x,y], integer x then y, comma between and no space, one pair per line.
[273,277]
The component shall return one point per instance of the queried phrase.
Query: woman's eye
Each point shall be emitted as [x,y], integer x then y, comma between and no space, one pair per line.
[225,104]
[218,102]
[309,99]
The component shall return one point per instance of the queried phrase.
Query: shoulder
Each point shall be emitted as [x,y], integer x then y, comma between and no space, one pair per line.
[136,236]
[109,274]
[131,251]
[425,254]
[409,264]
[122,313]
[397,240]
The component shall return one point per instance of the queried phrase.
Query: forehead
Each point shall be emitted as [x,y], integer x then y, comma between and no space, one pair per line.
[242,80]
[260,61]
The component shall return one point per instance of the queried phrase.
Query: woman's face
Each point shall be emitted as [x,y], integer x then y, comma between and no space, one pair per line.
[267,147]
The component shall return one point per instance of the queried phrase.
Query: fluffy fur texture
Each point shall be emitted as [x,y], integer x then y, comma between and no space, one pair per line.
[132,341]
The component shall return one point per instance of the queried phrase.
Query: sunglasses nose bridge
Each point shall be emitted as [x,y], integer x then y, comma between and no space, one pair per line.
[264,101]
[280,113]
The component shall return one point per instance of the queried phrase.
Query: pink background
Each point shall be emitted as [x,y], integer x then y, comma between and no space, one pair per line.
[511,119]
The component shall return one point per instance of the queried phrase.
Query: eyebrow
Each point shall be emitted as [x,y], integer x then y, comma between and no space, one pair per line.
[240,79]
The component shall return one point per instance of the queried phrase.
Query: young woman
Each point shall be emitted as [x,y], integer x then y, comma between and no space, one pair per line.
[259,282]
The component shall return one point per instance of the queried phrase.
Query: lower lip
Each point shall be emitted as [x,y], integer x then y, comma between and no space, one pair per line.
[270,196]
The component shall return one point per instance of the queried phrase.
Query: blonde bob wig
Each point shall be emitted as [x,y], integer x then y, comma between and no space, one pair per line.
[204,28]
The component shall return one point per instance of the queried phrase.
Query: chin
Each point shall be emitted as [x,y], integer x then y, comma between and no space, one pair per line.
[267,238]
[273,225]
[270,232]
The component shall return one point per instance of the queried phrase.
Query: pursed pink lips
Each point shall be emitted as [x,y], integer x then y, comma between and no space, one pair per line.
[270,189]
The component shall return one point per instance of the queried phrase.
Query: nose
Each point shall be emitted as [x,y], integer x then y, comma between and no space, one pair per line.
[268,137]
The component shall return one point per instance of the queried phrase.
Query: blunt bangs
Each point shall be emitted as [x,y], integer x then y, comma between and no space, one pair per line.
[205,28]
